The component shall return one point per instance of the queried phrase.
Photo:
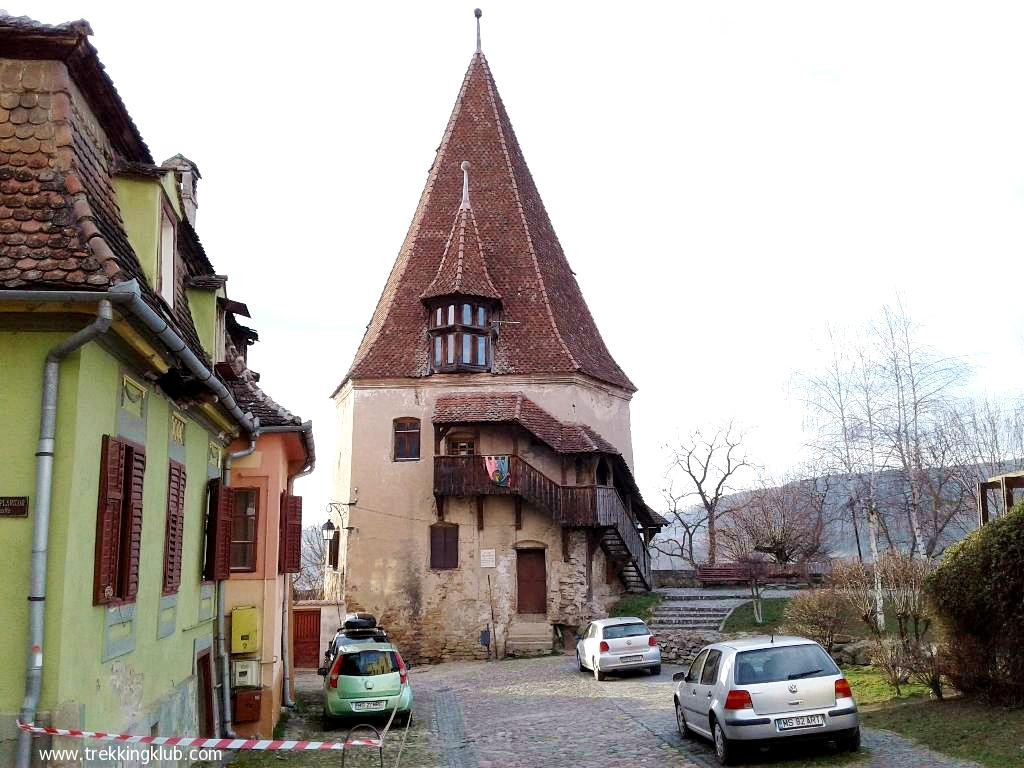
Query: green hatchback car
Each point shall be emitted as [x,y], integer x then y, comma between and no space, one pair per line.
[367,679]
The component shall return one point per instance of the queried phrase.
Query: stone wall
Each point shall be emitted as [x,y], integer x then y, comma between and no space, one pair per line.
[678,647]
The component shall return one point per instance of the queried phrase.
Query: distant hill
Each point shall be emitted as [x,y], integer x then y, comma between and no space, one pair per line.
[847,535]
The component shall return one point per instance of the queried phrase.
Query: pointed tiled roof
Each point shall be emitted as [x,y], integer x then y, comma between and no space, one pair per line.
[463,270]
[550,329]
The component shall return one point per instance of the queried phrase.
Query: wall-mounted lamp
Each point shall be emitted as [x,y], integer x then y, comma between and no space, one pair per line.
[328,529]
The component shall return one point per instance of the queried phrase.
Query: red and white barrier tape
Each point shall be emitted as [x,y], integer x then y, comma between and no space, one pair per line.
[202,743]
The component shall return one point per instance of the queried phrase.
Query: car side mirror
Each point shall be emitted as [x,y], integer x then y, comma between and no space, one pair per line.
[322,671]
[679,677]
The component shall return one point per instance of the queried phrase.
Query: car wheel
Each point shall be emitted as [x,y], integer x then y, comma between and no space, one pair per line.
[326,722]
[851,741]
[684,729]
[724,749]
[598,674]
[656,670]
[404,719]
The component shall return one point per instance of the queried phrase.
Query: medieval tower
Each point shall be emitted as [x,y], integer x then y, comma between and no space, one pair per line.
[486,496]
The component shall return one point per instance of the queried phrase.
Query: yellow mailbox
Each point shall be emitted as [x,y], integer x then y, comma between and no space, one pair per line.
[244,630]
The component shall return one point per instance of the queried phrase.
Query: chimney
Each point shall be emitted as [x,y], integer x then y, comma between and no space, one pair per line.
[188,178]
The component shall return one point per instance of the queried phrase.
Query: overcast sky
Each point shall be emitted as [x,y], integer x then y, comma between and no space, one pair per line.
[725,179]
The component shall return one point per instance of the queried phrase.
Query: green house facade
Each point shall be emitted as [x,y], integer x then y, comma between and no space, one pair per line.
[112,315]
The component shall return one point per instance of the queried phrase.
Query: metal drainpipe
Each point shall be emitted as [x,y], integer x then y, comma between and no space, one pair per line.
[225,672]
[41,521]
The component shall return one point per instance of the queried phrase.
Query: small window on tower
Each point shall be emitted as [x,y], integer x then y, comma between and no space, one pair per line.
[438,352]
[467,314]
[481,316]
[407,439]
[481,350]
[451,349]
[451,314]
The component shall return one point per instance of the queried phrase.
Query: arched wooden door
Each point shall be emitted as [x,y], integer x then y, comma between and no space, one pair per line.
[531,581]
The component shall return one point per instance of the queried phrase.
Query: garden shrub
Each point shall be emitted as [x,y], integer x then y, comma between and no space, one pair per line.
[819,614]
[978,594]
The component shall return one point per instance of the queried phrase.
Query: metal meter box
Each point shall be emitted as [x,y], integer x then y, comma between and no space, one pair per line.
[245,673]
[247,706]
[244,630]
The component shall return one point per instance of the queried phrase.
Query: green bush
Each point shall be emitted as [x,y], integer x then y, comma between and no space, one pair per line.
[978,594]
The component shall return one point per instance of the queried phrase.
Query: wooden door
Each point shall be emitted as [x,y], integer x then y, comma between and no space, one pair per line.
[204,691]
[532,581]
[306,637]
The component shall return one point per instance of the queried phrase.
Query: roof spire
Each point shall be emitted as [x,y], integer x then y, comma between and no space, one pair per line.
[478,13]
[465,186]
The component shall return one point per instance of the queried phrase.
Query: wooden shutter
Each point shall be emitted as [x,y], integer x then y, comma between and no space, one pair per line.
[218,532]
[444,546]
[451,546]
[175,527]
[291,515]
[132,532]
[108,519]
[334,551]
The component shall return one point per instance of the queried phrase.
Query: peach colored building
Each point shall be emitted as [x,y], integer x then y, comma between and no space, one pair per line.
[485,496]
[266,531]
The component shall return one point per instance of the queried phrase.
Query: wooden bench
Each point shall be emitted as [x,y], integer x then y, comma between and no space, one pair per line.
[722,574]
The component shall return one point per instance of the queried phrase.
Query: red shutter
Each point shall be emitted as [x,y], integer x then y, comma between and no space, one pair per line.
[108,519]
[175,527]
[218,532]
[291,515]
[132,546]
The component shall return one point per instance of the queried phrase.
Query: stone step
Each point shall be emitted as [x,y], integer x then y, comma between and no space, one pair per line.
[520,647]
[693,598]
[689,610]
[684,624]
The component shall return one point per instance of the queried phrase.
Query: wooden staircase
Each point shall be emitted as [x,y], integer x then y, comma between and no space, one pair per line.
[573,506]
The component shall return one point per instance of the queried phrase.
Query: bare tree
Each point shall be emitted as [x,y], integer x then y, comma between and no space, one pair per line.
[707,467]
[686,521]
[785,522]
[309,581]
[843,402]
[919,386]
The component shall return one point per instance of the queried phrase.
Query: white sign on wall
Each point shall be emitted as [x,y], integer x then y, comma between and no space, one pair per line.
[487,558]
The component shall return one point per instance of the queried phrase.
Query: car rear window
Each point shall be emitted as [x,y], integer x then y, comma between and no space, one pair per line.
[367,663]
[615,631]
[787,662]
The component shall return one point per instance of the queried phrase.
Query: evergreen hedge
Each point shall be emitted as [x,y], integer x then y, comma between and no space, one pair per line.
[978,594]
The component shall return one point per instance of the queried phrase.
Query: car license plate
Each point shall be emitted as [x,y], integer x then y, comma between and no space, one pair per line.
[368,706]
[628,659]
[802,721]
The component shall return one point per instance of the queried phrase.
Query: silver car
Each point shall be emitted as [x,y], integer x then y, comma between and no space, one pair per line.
[616,645]
[765,690]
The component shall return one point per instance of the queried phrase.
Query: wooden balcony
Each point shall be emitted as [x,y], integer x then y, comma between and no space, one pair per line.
[576,506]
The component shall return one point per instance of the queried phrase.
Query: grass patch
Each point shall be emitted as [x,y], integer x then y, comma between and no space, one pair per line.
[992,736]
[636,605]
[870,687]
[742,619]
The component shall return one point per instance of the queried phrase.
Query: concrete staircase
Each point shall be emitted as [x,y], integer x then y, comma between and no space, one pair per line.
[529,636]
[694,612]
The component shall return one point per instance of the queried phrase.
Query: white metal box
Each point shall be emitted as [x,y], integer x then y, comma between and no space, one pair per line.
[245,673]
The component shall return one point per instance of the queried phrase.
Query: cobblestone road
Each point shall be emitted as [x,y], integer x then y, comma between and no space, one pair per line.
[543,712]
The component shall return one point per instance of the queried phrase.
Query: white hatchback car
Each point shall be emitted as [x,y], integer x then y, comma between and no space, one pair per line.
[763,690]
[616,645]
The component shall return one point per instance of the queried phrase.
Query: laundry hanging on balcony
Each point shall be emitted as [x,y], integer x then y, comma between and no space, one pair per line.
[497,469]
